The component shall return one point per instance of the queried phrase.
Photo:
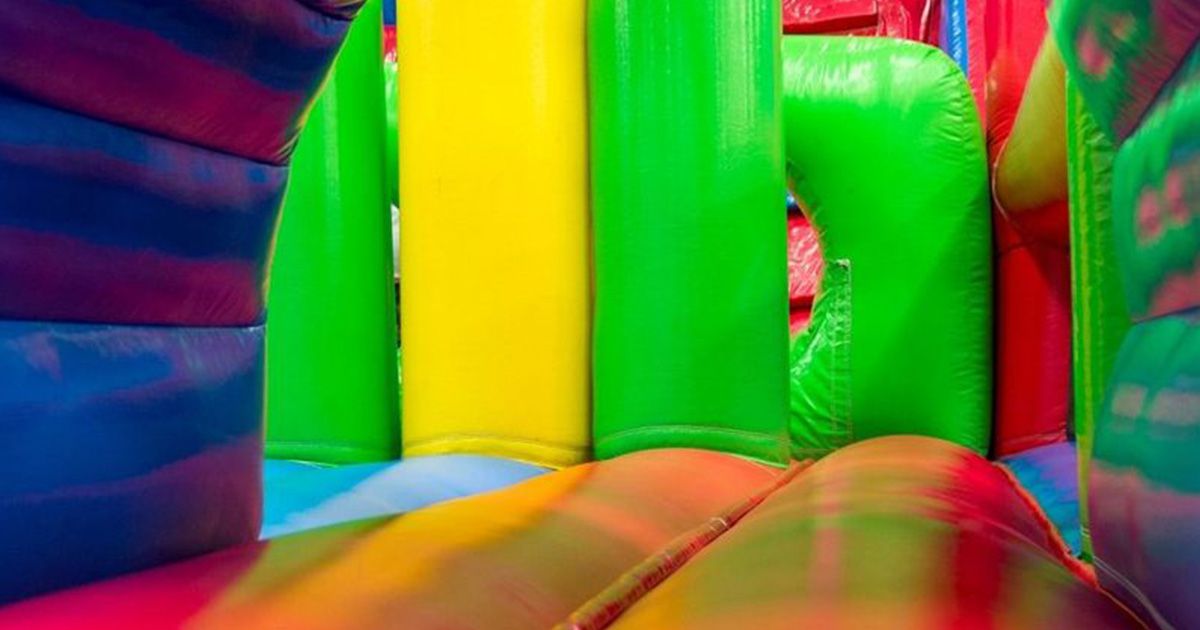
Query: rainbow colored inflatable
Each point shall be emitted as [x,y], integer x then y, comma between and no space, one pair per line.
[323,314]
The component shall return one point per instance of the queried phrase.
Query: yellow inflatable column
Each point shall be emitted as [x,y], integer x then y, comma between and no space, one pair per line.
[494,278]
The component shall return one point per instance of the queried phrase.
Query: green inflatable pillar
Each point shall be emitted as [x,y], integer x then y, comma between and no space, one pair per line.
[690,338]
[331,339]
[1100,317]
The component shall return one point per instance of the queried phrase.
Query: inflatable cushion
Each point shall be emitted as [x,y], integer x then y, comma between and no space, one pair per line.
[122,448]
[234,76]
[524,557]
[99,223]
[899,532]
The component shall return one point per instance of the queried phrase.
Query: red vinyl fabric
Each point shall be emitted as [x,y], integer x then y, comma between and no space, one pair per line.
[1033,284]
[917,20]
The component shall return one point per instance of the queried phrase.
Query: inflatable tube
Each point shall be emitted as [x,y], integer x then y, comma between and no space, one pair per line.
[900,340]
[332,385]
[1100,317]
[494,238]
[899,532]
[691,287]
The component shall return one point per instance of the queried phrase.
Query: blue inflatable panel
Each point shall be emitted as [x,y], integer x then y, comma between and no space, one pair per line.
[102,224]
[299,497]
[237,77]
[123,448]
[1050,474]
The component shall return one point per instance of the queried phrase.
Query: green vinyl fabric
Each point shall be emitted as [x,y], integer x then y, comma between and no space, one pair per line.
[1123,55]
[1099,316]
[690,337]
[331,346]
[1154,192]
[886,157]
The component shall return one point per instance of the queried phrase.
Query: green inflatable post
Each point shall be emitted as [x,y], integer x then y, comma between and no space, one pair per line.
[886,155]
[331,341]
[1100,317]
[690,339]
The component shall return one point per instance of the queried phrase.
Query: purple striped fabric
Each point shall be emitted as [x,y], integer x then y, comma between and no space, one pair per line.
[236,76]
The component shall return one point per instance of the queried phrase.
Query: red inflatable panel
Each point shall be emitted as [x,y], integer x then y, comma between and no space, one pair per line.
[1033,358]
[903,19]
[804,262]
[898,532]
[1033,303]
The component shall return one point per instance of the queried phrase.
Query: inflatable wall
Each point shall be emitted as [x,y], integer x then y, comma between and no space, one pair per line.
[140,186]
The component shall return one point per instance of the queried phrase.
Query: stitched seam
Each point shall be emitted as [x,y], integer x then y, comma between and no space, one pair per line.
[1058,547]
[688,428]
[633,585]
[453,437]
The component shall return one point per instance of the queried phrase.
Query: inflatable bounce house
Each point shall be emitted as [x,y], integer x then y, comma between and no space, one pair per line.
[466,314]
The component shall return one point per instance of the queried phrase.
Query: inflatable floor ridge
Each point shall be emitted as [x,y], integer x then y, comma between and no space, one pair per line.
[603,609]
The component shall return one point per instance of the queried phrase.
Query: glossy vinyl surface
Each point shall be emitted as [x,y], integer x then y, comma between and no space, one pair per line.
[1033,287]
[494,243]
[1121,53]
[887,156]
[123,448]
[1033,346]
[1100,317]
[690,339]
[1144,493]
[99,223]
[898,532]
[524,557]
[963,36]
[804,262]
[1030,179]
[904,19]
[332,383]
[1050,475]
[235,77]
[1156,205]
[299,497]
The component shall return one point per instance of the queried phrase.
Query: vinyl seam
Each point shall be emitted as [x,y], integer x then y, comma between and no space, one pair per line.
[1057,546]
[628,589]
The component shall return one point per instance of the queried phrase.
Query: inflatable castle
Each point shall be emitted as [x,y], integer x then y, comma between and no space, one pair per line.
[321,314]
